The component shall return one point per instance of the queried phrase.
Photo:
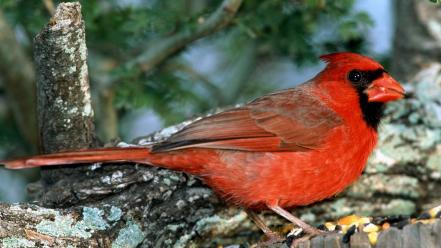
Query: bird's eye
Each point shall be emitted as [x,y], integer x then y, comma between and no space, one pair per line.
[355,76]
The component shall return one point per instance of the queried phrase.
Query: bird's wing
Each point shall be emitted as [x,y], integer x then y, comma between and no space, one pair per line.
[290,120]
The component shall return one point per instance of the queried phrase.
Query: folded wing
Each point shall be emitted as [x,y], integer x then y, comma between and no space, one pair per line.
[290,120]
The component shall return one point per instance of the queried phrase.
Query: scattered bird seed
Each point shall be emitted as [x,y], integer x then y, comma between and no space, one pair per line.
[347,236]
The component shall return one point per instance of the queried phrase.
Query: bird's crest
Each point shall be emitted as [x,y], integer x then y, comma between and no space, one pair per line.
[353,59]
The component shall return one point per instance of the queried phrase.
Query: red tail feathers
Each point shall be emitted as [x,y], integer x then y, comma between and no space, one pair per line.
[114,154]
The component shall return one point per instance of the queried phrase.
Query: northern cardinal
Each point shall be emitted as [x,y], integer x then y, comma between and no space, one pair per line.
[286,149]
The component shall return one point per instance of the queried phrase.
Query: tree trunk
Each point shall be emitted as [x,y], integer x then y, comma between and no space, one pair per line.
[65,114]
[417,40]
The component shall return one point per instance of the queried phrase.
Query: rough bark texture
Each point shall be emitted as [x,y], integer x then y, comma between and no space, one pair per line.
[18,75]
[417,39]
[124,205]
[109,226]
[65,114]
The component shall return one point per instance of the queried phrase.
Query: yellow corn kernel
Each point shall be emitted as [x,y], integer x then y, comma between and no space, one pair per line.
[434,211]
[364,220]
[344,228]
[348,220]
[373,236]
[371,228]
[330,226]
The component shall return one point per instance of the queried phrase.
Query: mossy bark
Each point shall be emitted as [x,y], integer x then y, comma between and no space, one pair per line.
[65,114]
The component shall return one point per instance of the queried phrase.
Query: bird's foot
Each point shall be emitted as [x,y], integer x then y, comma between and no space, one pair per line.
[304,230]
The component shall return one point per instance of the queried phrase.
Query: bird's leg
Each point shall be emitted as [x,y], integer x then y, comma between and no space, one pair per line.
[308,229]
[259,222]
[273,237]
[296,221]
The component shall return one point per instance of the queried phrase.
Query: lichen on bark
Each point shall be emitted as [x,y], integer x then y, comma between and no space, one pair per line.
[65,114]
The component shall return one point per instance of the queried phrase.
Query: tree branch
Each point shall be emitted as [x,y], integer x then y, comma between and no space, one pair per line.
[165,47]
[419,23]
[212,89]
[65,114]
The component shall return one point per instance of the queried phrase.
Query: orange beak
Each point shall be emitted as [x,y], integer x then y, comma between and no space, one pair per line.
[384,89]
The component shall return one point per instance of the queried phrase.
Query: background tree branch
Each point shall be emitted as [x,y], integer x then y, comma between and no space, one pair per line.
[163,48]
[417,39]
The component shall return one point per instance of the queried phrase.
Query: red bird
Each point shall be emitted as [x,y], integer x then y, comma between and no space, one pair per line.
[286,149]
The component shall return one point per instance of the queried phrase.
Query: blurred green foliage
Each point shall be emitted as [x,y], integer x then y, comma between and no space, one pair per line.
[118,31]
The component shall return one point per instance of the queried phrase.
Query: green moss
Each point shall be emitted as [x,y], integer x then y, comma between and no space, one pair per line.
[16,242]
[93,218]
[308,217]
[129,237]
[396,185]
[115,214]
[395,207]
[379,162]
[426,138]
[221,225]
[434,162]
[37,211]
[341,207]
[391,144]
[63,226]
[206,223]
